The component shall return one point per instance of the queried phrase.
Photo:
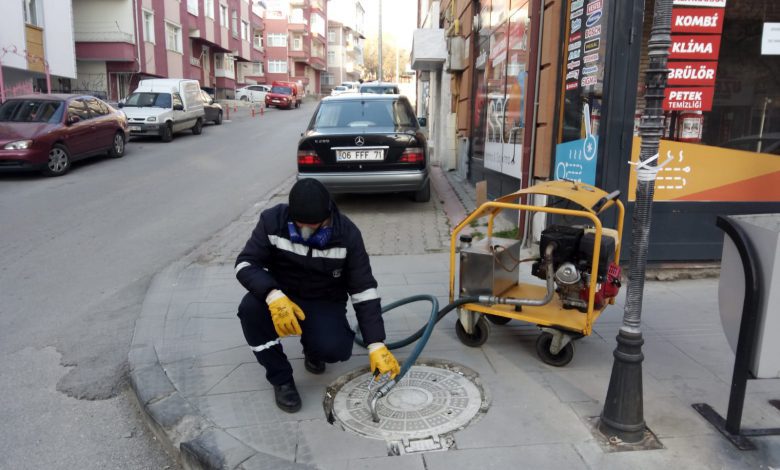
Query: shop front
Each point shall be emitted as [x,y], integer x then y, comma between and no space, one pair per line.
[721,146]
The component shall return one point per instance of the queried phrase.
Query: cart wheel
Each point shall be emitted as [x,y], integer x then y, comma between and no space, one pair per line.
[481,332]
[498,320]
[563,357]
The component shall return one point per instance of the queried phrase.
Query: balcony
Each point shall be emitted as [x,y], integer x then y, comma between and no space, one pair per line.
[101,31]
[298,27]
[318,63]
[316,5]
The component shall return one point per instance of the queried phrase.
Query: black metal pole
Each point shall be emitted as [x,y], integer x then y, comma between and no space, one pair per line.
[622,415]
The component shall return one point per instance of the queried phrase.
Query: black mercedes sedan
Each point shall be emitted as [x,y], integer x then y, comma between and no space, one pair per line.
[362,143]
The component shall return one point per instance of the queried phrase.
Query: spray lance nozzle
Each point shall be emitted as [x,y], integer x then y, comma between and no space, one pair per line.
[379,391]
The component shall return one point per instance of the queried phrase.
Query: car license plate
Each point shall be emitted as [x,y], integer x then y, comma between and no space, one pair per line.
[135,129]
[360,155]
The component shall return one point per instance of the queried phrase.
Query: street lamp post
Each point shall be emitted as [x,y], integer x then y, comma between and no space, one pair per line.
[379,46]
[622,415]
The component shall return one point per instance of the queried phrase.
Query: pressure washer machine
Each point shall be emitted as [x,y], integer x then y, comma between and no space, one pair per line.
[577,260]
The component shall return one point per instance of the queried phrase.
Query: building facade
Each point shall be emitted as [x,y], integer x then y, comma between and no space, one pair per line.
[296,42]
[121,42]
[518,91]
[36,47]
[345,43]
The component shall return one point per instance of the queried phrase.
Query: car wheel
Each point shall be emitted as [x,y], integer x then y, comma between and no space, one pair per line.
[59,161]
[424,194]
[197,129]
[297,104]
[167,133]
[117,149]
[218,120]
[244,98]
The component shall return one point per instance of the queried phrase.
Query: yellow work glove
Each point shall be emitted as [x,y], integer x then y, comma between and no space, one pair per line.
[382,361]
[283,313]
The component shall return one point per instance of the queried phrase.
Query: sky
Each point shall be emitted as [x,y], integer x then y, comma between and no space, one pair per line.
[399,20]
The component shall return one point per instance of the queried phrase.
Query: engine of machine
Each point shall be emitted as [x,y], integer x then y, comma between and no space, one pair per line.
[572,262]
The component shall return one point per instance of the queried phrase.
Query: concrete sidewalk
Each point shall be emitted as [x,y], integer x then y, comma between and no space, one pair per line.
[206,397]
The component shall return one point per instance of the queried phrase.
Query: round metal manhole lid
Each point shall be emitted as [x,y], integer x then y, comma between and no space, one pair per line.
[433,399]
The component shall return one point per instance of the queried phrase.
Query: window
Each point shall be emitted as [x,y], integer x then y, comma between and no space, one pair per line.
[96,108]
[192,7]
[332,36]
[244,30]
[177,100]
[277,66]
[277,40]
[234,24]
[223,18]
[31,9]
[258,40]
[209,8]
[173,37]
[148,26]
[297,43]
[76,108]
[327,79]
[317,25]
[331,57]
[296,16]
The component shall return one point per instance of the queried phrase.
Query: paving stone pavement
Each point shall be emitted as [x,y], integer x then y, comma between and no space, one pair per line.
[206,397]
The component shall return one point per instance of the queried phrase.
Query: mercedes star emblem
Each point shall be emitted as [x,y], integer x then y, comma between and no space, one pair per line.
[359,140]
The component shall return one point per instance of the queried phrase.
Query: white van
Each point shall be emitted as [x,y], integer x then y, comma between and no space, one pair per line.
[164,106]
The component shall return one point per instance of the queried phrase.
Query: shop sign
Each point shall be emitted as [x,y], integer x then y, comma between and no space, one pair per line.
[691,73]
[591,70]
[593,32]
[705,47]
[576,14]
[688,99]
[697,20]
[576,25]
[594,7]
[593,19]
[590,58]
[592,45]
[589,81]
[576,160]
[575,37]
[573,65]
[577,4]
[700,3]
[770,39]
[708,173]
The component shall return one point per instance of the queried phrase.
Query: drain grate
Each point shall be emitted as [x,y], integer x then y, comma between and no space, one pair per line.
[431,401]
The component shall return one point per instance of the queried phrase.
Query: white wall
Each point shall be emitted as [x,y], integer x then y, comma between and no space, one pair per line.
[12,34]
[91,76]
[58,40]
[101,20]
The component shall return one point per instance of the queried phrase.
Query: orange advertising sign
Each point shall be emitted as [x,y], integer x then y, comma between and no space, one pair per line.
[706,173]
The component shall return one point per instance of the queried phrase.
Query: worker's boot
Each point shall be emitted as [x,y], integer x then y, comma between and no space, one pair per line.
[315,366]
[287,397]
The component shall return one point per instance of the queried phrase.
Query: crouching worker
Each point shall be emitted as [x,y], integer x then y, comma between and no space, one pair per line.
[301,263]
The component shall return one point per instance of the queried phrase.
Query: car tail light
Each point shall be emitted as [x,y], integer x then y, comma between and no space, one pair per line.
[308,157]
[413,155]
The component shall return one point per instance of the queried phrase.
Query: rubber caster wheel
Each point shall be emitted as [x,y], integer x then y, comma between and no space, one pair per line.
[498,320]
[563,357]
[478,338]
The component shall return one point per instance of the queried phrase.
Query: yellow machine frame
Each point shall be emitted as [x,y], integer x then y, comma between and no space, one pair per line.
[552,314]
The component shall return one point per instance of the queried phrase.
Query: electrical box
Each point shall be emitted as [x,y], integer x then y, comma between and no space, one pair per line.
[456,58]
[489,266]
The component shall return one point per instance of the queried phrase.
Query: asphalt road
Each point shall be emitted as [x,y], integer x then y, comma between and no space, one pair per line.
[76,257]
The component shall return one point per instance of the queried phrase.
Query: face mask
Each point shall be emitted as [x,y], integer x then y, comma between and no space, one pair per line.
[313,237]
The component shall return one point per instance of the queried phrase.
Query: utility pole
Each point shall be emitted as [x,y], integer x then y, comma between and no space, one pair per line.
[622,415]
[379,45]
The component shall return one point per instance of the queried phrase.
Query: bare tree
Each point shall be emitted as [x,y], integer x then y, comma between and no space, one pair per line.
[370,59]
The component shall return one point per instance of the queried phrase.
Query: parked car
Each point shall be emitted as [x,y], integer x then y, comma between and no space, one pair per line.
[337,90]
[284,95]
[48,132]
[212,109]
[380,88]
[366,144]
[252,93]
[164,106]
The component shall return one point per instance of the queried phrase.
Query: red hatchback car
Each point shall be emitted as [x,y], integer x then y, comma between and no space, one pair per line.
[48,132]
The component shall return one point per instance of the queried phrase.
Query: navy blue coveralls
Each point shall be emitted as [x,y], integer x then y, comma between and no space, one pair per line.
[319,280]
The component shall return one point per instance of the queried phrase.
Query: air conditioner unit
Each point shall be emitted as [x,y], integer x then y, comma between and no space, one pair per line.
[456,54]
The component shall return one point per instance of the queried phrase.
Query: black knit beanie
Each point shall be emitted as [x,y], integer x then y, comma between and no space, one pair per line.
[309,201]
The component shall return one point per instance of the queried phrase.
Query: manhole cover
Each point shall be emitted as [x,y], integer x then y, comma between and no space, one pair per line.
[433,399]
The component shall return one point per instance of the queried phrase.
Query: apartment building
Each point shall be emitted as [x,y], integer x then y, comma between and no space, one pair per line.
[296,42]
[120,42]
[36,47]
[345,43]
